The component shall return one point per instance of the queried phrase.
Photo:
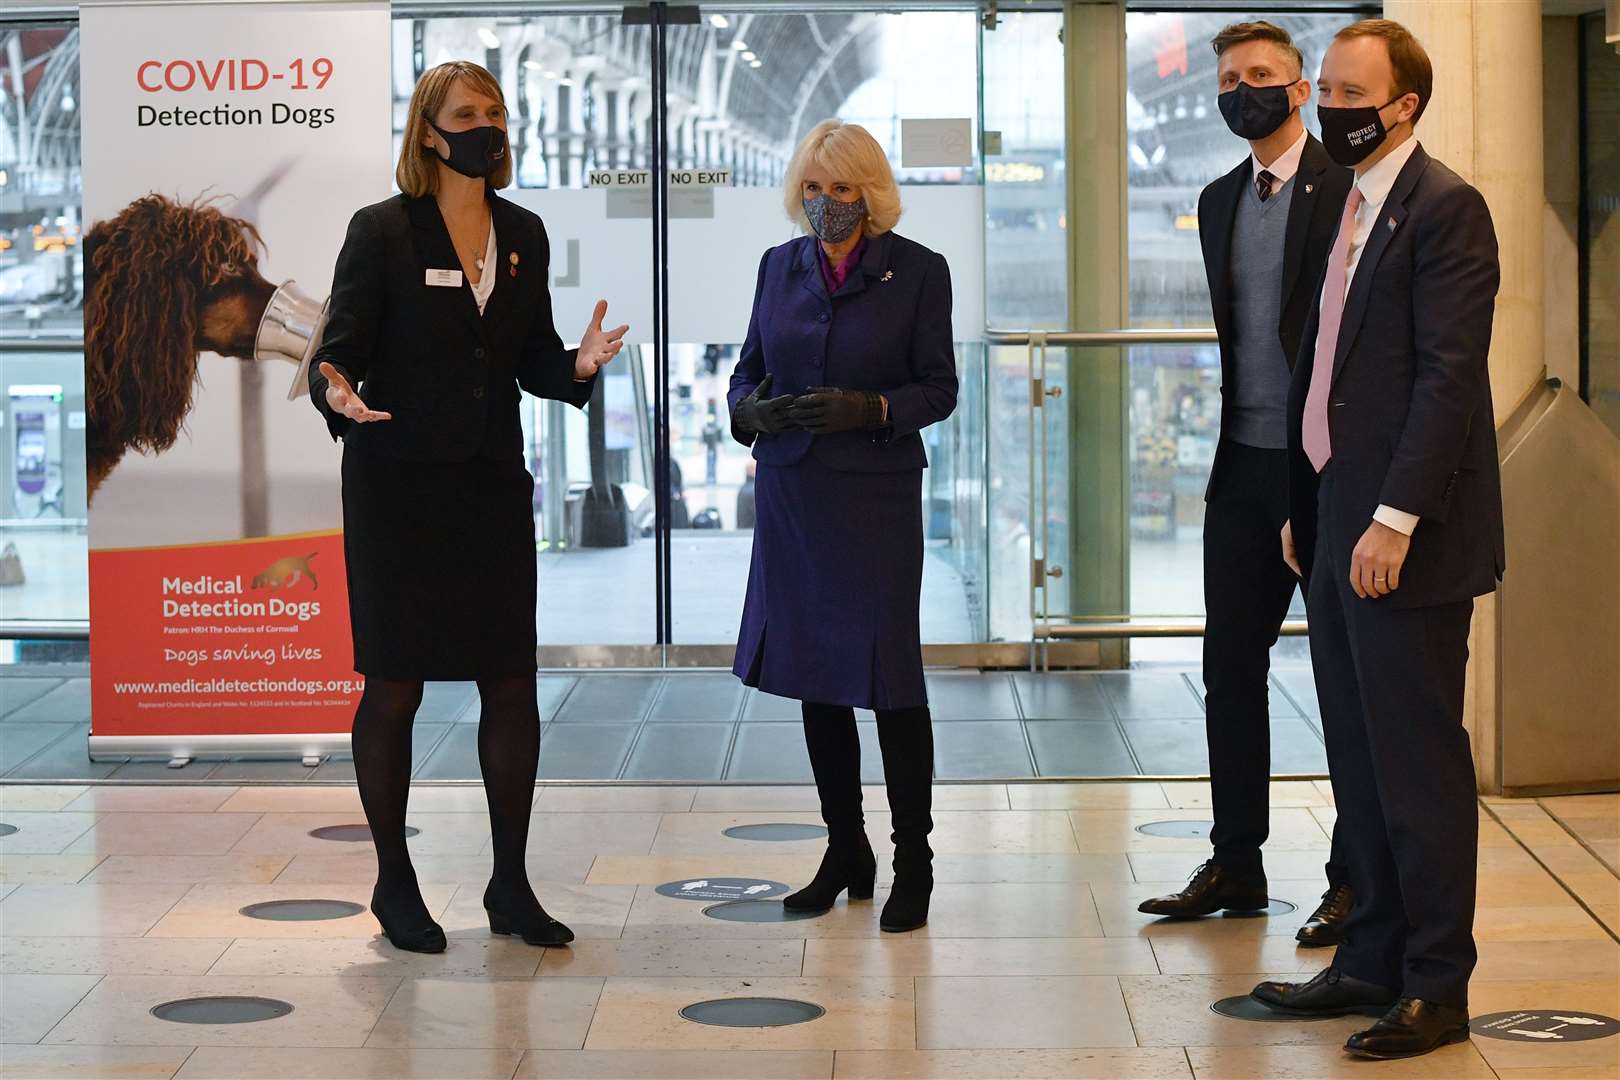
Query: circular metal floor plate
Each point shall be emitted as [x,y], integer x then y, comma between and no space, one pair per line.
[757,911]
[1177,830]
[1244,1007]
[753,1012]
[353,833]
[221,1010]
[302,910]
[7,830]
[1271,910]
[722,888]
[776,830]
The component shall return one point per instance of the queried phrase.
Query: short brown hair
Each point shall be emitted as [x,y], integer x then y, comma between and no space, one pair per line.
[1413,72]
[417,172]
[1238,33]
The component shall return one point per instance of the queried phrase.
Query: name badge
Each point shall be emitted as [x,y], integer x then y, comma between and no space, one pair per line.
[449,278]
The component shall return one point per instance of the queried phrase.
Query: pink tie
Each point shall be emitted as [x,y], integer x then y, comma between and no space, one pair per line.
[1315,436]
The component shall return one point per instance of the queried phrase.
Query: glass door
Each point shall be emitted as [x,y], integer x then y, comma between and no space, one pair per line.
[745,85]
[643,502]
[579,93]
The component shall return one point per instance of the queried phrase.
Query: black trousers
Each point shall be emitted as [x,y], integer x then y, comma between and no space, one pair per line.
[1247,590]
[1391,683]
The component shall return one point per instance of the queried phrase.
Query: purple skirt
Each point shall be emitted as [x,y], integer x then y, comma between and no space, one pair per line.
[834,587]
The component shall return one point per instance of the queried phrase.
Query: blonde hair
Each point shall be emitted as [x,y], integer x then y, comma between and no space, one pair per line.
[418,170]
[849,152]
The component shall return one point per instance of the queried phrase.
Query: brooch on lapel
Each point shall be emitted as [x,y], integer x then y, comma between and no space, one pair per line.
[513,259]
[1309,188]
[887,274]
[1391,224]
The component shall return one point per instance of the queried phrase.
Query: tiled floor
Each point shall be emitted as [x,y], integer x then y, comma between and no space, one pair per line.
[1035,963]
[704,727]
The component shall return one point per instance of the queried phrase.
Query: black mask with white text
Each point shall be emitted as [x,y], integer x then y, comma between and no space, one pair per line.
[476,152]
[1350,135]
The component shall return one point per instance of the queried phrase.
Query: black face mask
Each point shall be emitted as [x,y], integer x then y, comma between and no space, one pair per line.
[476,152]
[1350,135]
[1253,112]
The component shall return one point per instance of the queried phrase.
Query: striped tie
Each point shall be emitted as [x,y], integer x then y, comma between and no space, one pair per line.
[1263,185]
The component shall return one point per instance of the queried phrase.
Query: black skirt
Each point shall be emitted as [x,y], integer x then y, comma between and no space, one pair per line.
[441,567]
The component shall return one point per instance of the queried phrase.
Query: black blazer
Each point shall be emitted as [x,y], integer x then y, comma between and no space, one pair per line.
[1320,188]
[449,375]
[1409,408]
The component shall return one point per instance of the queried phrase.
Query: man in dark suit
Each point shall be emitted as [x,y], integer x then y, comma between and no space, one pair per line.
[1266,228]
[1397,523]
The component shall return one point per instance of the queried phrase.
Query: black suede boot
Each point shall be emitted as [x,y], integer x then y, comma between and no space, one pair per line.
[835,757]
[907,739]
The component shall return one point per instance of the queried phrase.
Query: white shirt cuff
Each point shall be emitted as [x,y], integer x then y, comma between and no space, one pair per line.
[1399,520]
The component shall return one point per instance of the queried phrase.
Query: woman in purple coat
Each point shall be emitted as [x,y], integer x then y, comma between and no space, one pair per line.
[848,357]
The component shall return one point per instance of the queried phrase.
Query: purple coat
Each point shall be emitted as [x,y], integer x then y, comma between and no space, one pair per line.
[836,571]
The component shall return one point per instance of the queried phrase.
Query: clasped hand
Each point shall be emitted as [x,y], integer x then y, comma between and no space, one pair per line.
[821,410]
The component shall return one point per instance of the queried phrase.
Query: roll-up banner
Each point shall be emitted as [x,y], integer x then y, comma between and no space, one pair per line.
[225,148]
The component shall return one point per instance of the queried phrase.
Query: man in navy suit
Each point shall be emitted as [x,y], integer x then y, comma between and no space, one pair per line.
[1266,228]
[1397,524]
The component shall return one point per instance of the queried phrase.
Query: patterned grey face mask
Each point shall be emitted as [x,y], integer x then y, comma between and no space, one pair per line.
[834,221]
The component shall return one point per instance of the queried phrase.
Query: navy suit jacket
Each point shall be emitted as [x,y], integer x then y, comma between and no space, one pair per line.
[1320,187]
[887,328]
[1409,408]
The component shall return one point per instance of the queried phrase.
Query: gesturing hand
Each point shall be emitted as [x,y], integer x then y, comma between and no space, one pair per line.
[1290,556]
[344,401]
[1375,564]
[757,414]
[596,346]
[826,409]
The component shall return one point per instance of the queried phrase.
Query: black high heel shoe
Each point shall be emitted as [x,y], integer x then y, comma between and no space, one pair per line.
[843,867]
[535,927]
[412,937]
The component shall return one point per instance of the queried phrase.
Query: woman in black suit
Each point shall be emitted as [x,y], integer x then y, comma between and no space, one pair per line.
[439,313]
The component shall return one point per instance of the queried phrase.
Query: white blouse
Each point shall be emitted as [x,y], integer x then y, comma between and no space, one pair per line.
[486,276]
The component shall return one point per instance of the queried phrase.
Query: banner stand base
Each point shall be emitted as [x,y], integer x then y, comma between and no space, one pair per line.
[180,749]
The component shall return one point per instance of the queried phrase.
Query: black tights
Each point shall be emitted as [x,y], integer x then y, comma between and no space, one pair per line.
[508,754]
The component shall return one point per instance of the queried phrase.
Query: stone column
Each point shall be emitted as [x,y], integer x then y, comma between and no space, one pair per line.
[1485,122]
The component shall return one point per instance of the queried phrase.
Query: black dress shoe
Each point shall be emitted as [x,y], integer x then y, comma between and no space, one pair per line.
[524,917]
[1330,993]
[1326,924]
[1212,888]
[411,931]
[1412,1027]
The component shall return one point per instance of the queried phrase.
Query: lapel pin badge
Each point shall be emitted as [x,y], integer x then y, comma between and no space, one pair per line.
[887,274]
[1391,224]
[1309,188]
[513,259]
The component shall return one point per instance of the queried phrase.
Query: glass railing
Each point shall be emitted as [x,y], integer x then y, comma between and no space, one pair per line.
[1157,481]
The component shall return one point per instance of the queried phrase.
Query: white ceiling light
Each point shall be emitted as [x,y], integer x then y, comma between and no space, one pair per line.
[739,44]
[755,63]
[719,22]
[487,36]
[532,65]
[749,56]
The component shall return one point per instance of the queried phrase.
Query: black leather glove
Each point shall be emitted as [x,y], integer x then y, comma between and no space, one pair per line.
[825,409]
[756,414]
